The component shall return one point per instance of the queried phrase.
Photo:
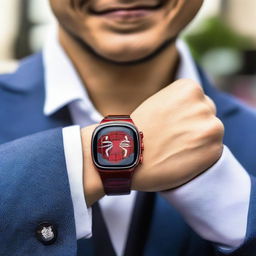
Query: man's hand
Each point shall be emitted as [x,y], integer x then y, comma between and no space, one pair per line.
[182,136]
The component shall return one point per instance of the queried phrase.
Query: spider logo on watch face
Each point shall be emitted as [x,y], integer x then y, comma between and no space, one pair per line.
[116,146]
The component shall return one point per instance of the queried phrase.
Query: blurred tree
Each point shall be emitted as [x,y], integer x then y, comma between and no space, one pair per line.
[214,33]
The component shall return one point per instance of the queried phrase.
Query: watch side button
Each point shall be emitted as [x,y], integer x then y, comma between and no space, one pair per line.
[141,159]
[142,146]
[141,135]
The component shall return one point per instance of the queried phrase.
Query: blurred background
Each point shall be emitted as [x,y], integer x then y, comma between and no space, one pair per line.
[222,39]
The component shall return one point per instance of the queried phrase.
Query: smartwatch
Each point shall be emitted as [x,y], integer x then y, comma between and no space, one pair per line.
[117,148]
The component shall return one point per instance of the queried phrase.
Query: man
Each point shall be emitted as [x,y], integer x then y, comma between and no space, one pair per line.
[117,57]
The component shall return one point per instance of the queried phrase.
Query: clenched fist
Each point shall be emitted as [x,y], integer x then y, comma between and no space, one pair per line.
[182,139]
[182,136]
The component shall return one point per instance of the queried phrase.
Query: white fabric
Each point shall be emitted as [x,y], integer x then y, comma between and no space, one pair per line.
[63,86]
[215,204]
[72,143]
[117,213]
[187,68]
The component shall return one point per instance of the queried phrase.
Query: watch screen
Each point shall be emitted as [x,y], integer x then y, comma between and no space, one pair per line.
[115,146]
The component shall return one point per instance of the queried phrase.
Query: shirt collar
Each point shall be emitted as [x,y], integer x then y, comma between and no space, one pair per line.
[187,67]
[63,84]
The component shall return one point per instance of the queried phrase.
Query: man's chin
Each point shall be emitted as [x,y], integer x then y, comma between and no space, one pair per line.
[125,57]
[136,56]
[130,57]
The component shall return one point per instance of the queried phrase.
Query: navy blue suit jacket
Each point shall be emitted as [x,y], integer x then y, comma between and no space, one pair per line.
[34,185]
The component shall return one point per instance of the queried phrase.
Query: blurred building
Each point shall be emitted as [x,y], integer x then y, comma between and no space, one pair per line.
[23,27]
[241,15]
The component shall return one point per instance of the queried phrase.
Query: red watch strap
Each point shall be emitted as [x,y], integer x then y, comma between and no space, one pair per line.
[118,184]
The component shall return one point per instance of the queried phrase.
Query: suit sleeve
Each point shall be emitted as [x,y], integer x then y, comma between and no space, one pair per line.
[34,188]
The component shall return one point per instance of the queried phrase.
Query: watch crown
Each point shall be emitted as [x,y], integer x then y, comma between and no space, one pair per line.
[142,146]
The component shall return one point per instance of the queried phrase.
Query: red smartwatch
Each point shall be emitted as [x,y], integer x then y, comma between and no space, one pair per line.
[116,152]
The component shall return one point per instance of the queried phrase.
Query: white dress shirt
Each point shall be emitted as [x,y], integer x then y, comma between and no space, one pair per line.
[211,204]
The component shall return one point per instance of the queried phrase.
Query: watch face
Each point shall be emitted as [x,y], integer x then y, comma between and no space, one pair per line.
[115,146]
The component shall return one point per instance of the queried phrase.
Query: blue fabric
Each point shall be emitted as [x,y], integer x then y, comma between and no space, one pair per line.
[34,189]
[34,184]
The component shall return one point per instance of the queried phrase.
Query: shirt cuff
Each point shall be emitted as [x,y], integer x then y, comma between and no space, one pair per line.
[74,162]
[216,203]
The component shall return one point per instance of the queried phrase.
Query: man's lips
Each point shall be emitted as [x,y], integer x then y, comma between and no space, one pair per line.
[125,9]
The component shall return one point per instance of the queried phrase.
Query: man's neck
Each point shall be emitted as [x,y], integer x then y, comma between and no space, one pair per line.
[119,89]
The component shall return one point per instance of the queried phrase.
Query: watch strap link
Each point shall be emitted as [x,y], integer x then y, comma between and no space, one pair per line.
[118,184]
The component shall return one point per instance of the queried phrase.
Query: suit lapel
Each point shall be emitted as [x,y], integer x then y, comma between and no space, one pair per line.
[22,98]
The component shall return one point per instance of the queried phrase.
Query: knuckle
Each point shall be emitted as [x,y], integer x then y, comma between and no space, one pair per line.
[210,103]
[209,100]
[189,92]
[214,130]
[205,110]
[195,92]
[219,127]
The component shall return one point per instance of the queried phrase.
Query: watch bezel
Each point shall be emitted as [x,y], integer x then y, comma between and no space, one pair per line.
[112,124]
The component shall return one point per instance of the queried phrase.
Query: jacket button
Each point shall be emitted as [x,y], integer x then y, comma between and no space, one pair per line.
[46,233]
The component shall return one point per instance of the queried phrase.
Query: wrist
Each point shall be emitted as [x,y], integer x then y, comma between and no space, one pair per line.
[117,151]
[93,187]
